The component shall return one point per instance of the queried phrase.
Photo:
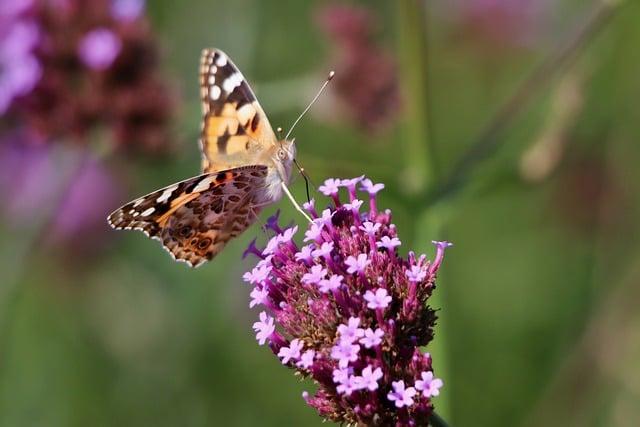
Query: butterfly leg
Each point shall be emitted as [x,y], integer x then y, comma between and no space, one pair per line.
[263,225]
[295,204]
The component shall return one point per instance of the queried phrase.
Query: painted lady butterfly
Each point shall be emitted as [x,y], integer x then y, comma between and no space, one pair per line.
[245,168]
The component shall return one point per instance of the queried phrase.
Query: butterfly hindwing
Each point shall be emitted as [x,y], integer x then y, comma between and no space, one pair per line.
[235,128]
[194,219]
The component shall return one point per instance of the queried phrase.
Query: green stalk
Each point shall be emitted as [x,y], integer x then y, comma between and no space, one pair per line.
[419,173]
[420,169]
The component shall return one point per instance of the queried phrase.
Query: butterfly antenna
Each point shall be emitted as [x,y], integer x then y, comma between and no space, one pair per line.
[315,98]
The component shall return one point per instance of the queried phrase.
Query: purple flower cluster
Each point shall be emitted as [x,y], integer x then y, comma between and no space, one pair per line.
[20,70]
[503,23]
[347,311]
[71,68]
[366,81]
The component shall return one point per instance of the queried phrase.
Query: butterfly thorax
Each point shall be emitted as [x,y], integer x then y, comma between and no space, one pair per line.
[280,162]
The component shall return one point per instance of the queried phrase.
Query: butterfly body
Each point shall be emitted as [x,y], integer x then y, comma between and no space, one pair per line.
[245,168]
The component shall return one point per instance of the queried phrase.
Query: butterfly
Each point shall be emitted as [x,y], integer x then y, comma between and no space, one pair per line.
[245,167]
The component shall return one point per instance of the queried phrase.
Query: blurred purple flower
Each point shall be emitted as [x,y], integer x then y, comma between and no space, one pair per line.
[69,68]
[99,48]
[127,10]
[503,22]
[20,70]
[358,337]
[12,8]
[366,82]
[28,178]
[90,194]
[33,189]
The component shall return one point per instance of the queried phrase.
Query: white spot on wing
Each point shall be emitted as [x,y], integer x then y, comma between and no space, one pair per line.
[148,211]
[137,203]
[215,93]
[212,79]
[245,113]
[203,185]
[221,61]
[166,194]
[232,82]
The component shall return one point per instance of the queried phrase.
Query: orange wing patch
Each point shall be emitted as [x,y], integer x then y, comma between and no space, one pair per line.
[235,128]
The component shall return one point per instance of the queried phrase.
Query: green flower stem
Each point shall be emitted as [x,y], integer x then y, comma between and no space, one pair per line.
[421,172]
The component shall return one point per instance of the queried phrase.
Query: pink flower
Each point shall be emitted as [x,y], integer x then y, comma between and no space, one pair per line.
[305,254]
[379,299]
[372,338]
[416,274]
[368,379]
[348,386]
[324,250]
[428,385]
[354,205]
[370,187]
[316,274]
[330,187]
[292,352]
[288,234]
[313,233]
[345,352]
[127,10]
[341,375]
[357,265]
[331,284]
[258,275]
[99,48]
[400,395]
[351,331]
[388,243]
[258,296]
[264,328]
[370,228]
[306,359]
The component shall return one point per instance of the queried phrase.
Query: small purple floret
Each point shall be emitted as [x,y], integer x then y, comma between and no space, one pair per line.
[314,276]
[99,48]
[357,264]
[372,338]
[127,10]
[259,296]
[388,242]
[351,331]
[264,328]
[400,395]
[330,187]
[428,385]
[369,378]
[331,284]
[379,299]
[370,187]
[292,352]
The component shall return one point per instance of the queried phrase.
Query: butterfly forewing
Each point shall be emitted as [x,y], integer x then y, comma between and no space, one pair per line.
[235,129]
[194,219]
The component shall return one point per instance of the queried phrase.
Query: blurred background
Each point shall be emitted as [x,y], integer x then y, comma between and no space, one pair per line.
[509,127]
